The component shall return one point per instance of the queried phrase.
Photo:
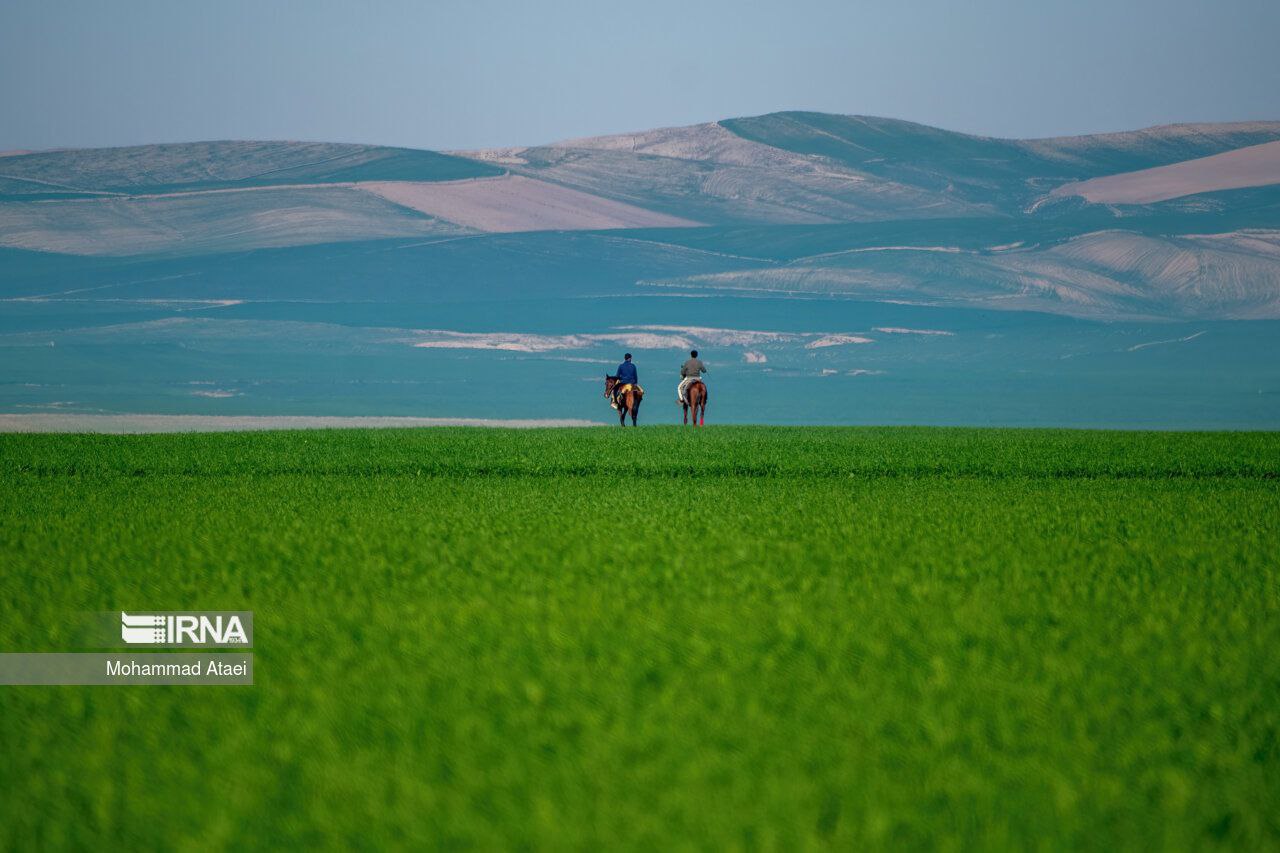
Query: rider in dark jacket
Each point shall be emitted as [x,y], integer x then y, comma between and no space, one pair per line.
[627,372]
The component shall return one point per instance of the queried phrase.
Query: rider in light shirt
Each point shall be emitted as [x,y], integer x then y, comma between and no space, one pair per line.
[690,372]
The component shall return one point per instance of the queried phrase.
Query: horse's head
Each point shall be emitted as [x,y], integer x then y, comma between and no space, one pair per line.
[609,383]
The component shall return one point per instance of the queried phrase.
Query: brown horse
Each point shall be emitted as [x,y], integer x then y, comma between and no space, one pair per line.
[628,400]
[695,397]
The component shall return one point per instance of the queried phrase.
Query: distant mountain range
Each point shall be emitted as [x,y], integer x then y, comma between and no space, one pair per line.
[1173,221]
[831,269]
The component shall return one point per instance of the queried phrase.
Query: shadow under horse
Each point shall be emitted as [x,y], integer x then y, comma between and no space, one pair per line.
[695,398]
[628,399]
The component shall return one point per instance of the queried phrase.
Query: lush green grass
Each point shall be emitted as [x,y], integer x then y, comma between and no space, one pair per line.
[729,638]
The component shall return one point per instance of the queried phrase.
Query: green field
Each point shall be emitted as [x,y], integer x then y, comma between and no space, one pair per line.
[733,638]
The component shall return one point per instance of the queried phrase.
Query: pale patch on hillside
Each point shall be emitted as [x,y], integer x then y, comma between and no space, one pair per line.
[515,203]
[524,342]
[837,341]
[722,337]
[1218,275]
[1254,166]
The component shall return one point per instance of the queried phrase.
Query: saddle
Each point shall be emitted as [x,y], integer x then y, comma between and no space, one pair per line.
[619,389]
[684,398]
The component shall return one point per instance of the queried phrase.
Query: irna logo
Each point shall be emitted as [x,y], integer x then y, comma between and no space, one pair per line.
[186,629]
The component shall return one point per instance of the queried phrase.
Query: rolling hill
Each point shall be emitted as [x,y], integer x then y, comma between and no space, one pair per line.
[152,169]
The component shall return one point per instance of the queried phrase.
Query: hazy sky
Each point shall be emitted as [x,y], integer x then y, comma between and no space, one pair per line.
[470,73]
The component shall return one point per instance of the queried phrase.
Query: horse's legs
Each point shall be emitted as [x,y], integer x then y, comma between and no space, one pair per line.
[686,414]
[635,410]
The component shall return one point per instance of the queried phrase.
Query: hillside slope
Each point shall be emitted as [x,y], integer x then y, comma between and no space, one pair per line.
[1002,173]
[707,172]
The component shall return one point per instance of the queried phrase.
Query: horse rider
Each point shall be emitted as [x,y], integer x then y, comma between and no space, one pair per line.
[691,371]
[627,374]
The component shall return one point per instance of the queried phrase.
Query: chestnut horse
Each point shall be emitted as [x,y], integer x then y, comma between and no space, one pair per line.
[628,400]
[695,397]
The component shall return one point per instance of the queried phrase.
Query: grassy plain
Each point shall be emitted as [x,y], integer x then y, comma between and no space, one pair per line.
[737,638]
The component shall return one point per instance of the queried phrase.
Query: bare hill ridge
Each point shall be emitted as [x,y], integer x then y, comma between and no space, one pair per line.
[1171,221]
